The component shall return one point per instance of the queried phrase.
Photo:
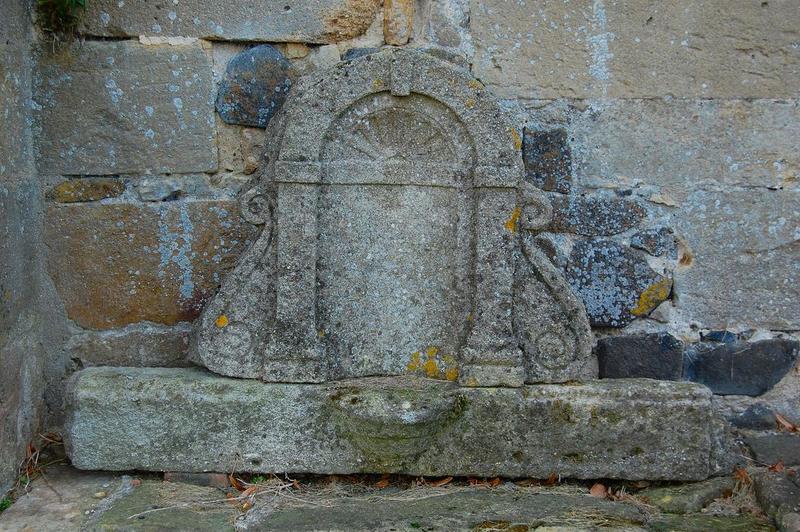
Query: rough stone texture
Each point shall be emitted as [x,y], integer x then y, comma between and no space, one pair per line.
[548,161]
[777,493]
[86,189]
[121,263]
[771,448]
[615,283]
[741,368]
[677,146]
[255,86]
[658,242]
[30,324]
[157,100]
[398,21]
[688,498]
[743,269]
[186,419]
[597,48]
[594,216]
[500,509]
[652,356]
[137,345]
[391,194]
[320,21]
[707,523]
[754,417]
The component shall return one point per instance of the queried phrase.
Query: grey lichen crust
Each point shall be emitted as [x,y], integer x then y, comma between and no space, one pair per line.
[191,420]
[395,223]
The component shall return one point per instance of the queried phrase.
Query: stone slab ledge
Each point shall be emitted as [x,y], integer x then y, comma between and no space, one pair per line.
[188,419]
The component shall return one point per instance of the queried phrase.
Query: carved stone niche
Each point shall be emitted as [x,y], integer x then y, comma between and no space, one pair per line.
[397,238]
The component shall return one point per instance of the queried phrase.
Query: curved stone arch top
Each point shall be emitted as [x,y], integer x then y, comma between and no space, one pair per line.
[393,210]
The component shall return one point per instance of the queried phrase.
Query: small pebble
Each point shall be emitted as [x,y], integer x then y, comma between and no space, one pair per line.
[100,495]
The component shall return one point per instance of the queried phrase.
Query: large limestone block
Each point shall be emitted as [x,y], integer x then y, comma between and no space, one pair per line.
[742,268]
[675,146]
[190,420]
[122,108]
[317,21]
[121,263]
[635,49]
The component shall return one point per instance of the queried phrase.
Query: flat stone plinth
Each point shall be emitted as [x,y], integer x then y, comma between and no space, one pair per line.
[191,420]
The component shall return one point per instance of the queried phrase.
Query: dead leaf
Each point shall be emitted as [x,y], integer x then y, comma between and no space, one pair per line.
[742,476]
[599,491]
[474,481]
[383,482]
[236,483]
[791,472]
[246,506]
[441,482]
[552,479]
[785,424]
[249,491]
[777,467]
[495,482]
[136,482]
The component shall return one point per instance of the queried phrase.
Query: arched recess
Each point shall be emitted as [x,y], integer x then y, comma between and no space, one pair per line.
[288,315]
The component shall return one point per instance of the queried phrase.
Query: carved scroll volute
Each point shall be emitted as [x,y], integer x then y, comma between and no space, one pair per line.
[536,209]
[256,206]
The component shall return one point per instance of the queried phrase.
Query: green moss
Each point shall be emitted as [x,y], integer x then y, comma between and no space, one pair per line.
[636,451]
[5,503]
[561,411]
[578,458]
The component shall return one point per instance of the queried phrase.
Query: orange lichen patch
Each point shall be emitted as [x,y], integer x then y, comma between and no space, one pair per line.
[652,297]
[221,321]
[451,374]
[511,223]
[431,368]
[517,139]
[416,361]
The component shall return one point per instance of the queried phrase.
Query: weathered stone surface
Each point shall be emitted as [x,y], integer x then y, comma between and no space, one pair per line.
[652,356]
[138,345]
[592,48]
[771,448]
[726,337]
[688,498]
[121,263]
[743,267]
[615,283]
[391,194]
[255,86]
[548,161]
[355,53]
[777,493]
[158,100]
[741,368]
[710,523]
[499,509]
[319,21]
[658,242]
[594,216]
[677,146]
[86,189]
[398,21]
[153,419]
[754,417]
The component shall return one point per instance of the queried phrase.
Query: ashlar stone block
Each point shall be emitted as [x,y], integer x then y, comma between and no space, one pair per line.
[190,420]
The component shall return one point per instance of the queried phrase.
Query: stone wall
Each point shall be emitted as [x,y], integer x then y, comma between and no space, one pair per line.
[29,317]
[664,133]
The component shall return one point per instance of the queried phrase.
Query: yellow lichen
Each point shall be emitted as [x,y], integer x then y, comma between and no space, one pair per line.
[652,297]
[415,361]
[511,223]
[451,374]
[517,139]
[222,321]
[431,369]
[472,381]
[377,83]
[470,103]
[475,84]
[432,351]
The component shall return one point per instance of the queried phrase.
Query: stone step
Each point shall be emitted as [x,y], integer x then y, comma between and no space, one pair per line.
[182,419]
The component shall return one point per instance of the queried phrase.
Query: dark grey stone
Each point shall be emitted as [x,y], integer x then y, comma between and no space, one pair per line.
[652,356]
[548,160]
[657,242]
[594,216]
[776,493]
[741,368]
[726,337]
[757,417]
[772,447]
[255,86]
[355,53]
[615,283]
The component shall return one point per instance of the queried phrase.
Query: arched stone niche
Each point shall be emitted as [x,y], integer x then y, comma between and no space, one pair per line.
[397,237]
